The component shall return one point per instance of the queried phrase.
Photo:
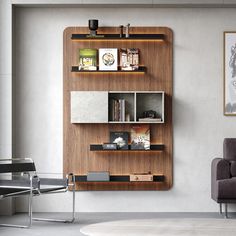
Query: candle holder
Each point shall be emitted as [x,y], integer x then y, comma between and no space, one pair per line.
[93,26]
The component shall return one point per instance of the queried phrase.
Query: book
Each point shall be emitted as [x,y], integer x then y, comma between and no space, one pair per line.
[121,109]
[108,59]
[148,119]
[120,138]
[117,110]
[129,58]
[140,137]
[141,177]
[87,59]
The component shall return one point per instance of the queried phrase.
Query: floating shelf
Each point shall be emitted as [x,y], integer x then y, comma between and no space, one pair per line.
[141,69]
[153,148]
[135,122]
[133,37]
[119,179]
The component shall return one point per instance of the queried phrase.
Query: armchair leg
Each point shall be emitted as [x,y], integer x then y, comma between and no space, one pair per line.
[73,206]
[226,211]
[73,210]
[221,209]
[30,199]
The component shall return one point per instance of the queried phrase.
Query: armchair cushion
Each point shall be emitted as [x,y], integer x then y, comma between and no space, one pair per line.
[229,149]
[227,188]
[233,168]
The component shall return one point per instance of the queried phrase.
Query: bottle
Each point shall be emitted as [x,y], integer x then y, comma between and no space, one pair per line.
[127,30]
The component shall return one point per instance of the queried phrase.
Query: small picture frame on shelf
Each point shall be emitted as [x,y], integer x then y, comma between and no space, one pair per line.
[108,58]
[121,139]
[129,59]
[87,59]
[140,137]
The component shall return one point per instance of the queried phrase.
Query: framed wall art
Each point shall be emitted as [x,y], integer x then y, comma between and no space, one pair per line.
[230,73]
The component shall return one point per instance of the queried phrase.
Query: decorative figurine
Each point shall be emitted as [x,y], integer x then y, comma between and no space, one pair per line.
[149,114]
[127,30]
[121,31]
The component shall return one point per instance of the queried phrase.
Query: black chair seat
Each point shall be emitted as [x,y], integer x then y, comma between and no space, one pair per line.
[16,191]
[48,190]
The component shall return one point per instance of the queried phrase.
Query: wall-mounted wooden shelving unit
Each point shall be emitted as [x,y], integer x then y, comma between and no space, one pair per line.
[148,88]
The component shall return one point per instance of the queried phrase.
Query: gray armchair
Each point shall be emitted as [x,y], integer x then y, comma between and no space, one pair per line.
[223,175]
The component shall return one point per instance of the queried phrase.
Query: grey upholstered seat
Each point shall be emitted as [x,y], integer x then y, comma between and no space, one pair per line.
[227,190]
[223,175]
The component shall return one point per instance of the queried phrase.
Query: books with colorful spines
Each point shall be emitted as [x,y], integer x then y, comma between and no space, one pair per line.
[111,109]
[116,110]
[140,137]
[113,113]
[121,109]
[87,59]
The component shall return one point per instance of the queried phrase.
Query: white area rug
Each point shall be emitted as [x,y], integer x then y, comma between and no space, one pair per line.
[163,227]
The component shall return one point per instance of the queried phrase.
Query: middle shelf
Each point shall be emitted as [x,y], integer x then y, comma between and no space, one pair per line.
[117,106]
[153,148]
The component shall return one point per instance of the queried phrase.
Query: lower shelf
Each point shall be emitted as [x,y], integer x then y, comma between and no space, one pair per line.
[119,179]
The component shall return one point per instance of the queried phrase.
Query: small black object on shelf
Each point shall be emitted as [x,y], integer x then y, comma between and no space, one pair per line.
[121,31]
[93,26]
[109,146]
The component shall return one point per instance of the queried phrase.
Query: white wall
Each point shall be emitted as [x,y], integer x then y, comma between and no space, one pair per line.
[5,90]
[199,124]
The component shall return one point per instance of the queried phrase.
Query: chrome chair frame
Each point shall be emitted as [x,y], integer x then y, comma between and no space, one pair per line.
[62,191]
[34,189]
[26,190]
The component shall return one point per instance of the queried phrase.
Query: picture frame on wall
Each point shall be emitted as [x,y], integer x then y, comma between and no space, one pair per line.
[230,73]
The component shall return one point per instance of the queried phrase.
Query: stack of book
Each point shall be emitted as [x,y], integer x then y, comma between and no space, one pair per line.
[118,110]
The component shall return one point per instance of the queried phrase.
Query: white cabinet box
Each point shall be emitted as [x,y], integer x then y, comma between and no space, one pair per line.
[89,107]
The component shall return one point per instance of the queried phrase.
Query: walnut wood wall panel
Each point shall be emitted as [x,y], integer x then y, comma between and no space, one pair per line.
[157,57]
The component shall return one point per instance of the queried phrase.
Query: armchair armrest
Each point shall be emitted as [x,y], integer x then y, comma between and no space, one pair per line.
[55,182]
[220,169]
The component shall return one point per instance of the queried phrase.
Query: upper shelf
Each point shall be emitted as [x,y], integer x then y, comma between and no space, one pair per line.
[141,69]
[133,37]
